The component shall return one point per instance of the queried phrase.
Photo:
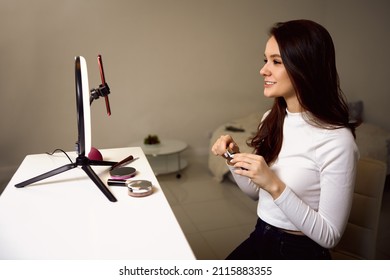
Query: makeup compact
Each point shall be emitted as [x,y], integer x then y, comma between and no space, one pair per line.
[140,188]
[122,173]
[117,171]
[136,188]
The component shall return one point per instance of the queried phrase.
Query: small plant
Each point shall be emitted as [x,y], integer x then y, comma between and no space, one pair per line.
[151,140]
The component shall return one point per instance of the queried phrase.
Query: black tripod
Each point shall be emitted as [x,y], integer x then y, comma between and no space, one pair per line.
[85,164]
[81,160]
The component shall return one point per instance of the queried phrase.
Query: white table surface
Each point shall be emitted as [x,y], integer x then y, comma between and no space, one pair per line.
[68,217]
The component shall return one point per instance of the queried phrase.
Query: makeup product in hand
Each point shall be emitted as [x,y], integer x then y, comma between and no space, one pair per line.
[228,154]
[137,188]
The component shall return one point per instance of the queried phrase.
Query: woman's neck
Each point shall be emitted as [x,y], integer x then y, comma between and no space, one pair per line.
[293,105]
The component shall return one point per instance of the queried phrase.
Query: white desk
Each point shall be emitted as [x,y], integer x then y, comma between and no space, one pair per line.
[68,217]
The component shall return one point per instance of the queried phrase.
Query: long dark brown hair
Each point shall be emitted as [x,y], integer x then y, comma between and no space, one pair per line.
[308,54]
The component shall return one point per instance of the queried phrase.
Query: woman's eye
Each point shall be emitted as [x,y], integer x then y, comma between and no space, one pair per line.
[273,61]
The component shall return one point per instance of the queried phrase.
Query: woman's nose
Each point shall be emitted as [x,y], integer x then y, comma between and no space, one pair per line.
[263,71]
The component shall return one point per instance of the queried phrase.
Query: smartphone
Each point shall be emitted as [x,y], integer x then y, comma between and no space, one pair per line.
[103,79]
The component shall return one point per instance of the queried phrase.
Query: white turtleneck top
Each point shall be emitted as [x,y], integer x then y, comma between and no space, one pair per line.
[318,167]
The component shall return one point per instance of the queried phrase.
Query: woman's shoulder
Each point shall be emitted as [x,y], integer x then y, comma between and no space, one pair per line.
[332,136]
[341,133]
[336,141]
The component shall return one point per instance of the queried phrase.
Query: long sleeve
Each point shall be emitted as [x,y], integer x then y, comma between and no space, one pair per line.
[336,158]
[245,184]
[318,167]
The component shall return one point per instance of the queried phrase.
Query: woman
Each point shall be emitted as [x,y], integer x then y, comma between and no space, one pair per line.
[303,167]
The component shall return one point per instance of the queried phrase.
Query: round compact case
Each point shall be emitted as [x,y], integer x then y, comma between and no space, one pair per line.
[140,188]
[122,172]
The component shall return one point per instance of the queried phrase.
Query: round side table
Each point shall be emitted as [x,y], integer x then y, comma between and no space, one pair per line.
[165,157]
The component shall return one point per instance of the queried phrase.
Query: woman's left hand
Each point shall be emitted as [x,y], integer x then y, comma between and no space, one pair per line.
[254,167]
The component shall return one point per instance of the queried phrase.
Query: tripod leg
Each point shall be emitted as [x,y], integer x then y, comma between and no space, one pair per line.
[46,175]
[98,182]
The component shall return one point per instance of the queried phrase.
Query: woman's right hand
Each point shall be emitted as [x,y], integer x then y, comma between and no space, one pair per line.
[224,142]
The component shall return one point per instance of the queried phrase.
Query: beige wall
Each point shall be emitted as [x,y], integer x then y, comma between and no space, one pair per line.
[176,68]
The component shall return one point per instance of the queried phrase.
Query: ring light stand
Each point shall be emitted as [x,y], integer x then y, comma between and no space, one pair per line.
[84,129]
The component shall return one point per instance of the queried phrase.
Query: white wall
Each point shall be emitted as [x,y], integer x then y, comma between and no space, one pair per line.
[361,31]
[176,68]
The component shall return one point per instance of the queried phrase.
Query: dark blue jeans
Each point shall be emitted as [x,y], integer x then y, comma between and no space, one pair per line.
[267,242]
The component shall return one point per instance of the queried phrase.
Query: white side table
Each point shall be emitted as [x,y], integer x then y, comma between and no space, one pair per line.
[165,157]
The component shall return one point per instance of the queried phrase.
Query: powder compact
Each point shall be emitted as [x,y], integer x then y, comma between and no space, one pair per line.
[137,188]
[117,171]
[122,173]
[140,188]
